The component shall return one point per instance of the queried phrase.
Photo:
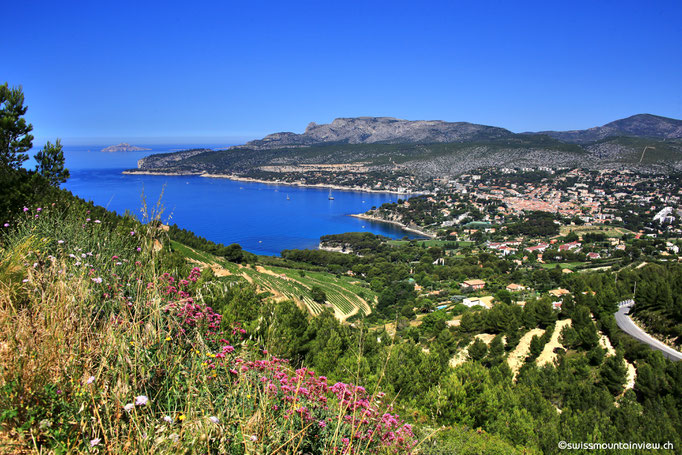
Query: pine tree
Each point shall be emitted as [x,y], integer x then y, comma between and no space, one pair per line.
[51,163]
[478,350]
[15,139]
[613,374]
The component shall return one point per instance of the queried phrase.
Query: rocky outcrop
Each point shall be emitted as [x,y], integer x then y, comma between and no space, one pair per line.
[124,147]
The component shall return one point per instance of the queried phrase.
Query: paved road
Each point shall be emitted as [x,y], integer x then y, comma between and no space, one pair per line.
[629,327]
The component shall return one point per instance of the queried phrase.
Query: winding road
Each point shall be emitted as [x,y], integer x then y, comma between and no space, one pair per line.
[629,327]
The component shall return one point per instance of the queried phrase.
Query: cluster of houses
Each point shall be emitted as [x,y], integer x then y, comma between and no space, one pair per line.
[511,247]
[487,301]
[593,196]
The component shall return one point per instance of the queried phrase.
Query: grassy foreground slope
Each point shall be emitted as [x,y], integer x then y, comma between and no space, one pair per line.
[112,343]
[103,350]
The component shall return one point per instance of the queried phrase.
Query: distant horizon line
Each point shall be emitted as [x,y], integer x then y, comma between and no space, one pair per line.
[104,141]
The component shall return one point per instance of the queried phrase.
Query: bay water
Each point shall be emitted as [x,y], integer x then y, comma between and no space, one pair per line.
[262,218]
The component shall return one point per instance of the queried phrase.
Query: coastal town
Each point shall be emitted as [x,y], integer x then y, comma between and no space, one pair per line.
[537,226]
[577,199]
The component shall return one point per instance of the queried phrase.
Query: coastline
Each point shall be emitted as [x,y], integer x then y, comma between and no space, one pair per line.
[172,174]
[304,185]
[238,178]
[396,223]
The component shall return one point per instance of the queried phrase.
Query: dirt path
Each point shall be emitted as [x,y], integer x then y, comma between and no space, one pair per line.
[485,337]
[518,356]
[261,269]
[632,375]
[548,355]
[454,322]
[463,354]
[605,344]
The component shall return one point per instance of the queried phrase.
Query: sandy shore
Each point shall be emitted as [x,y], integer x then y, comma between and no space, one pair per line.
[364,216]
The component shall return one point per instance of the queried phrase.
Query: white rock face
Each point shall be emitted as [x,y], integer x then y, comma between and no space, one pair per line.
[370,130]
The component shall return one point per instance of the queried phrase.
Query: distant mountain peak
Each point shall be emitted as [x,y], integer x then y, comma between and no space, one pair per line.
[639,125]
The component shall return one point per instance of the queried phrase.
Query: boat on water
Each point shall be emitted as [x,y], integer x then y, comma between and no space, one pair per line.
[331,198]
[288,198]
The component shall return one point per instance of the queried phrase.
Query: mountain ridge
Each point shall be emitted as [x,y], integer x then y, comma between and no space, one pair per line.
[433,148]
[638,125]
[387,130]
[391,130]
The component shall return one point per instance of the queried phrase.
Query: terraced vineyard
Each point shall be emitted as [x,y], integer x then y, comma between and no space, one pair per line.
[346,296]
[343,296]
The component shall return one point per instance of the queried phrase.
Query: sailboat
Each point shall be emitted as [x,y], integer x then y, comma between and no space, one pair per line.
[331,198]
[288,198]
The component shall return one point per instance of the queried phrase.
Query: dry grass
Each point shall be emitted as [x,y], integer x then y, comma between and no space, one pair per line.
[463,354]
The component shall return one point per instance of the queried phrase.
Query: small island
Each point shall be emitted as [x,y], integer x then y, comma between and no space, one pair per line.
[124,147]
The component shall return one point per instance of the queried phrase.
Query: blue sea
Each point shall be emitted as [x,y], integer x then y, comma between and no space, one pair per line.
[257,216]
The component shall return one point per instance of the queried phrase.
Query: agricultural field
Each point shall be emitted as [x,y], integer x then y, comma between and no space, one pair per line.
[346,296]
[609,231]
[582,266]
[564,265]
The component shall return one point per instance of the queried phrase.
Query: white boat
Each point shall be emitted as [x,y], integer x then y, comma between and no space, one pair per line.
[331,198]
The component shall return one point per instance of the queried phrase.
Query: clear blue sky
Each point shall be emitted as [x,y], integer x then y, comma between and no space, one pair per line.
[228,69]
